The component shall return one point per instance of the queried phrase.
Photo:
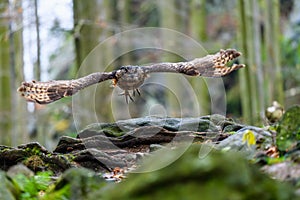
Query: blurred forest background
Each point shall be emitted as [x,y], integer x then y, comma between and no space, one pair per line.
[44,40]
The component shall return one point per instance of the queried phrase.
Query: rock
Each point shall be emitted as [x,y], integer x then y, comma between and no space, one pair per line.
[118,148]
[263,139]
[288,130]
[19,169]
[285,171]
[121,144]
[274,112]
[217,176]
[76,183]
[201,124]
[7,189]
[34,156]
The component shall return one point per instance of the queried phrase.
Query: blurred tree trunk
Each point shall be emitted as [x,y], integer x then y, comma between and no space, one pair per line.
[89,30]
[37,69]
[12,108]
[273,72]
[170,18]
[246,46]
[19,106]
[5,76]
[259,83]
[198,31]
[198,19]
[125,10]
[41,117]
[87,34]
[258,63]
[106,54]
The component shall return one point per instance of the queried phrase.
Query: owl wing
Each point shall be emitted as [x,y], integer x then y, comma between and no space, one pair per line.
[208,66]
[130,77]
[50,91]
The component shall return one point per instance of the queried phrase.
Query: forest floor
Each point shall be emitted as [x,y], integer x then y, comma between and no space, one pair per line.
[151,158]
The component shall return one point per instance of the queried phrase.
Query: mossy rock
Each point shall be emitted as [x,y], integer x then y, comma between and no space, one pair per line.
[119,128]
[75,183]
[215,176]
[7,188]
[288,130]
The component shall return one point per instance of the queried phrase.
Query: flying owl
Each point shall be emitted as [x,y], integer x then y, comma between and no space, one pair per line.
[130,78]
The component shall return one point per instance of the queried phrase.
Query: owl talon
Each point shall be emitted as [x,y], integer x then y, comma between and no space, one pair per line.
[131,98]
[137,90]
[127,94]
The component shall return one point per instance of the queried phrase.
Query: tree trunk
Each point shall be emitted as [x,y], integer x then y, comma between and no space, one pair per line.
[19,106]
[261,94]
[198,32]
[93,104]
[244,78]
[37,69]
[126,19]
[259,85]
[5,76]
[273,67]
[170,18]
[12,108]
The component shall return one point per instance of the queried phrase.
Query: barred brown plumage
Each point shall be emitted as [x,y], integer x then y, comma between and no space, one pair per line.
[130,77]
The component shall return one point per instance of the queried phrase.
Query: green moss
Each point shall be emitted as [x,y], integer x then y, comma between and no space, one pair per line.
[288,130]
[113,132]
[215,176]
[35,150]
[34,163]
[75,183]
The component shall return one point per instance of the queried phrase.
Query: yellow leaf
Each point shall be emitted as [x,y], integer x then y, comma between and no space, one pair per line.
[249,138]
[62,125]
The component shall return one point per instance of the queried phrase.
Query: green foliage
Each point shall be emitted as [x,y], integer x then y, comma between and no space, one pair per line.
[75,183]
[291,49]
[288,130]
[61,194]
[291,60]
[271,161]
[33,186]
[35,150]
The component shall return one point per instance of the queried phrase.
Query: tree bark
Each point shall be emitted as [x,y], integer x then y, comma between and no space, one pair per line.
[91,19]
[198,31]
[243,82]
[19,107]
[272,48]
[5,76]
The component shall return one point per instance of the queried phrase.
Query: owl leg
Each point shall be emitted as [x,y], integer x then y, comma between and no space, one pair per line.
[137,91]
[127,94]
